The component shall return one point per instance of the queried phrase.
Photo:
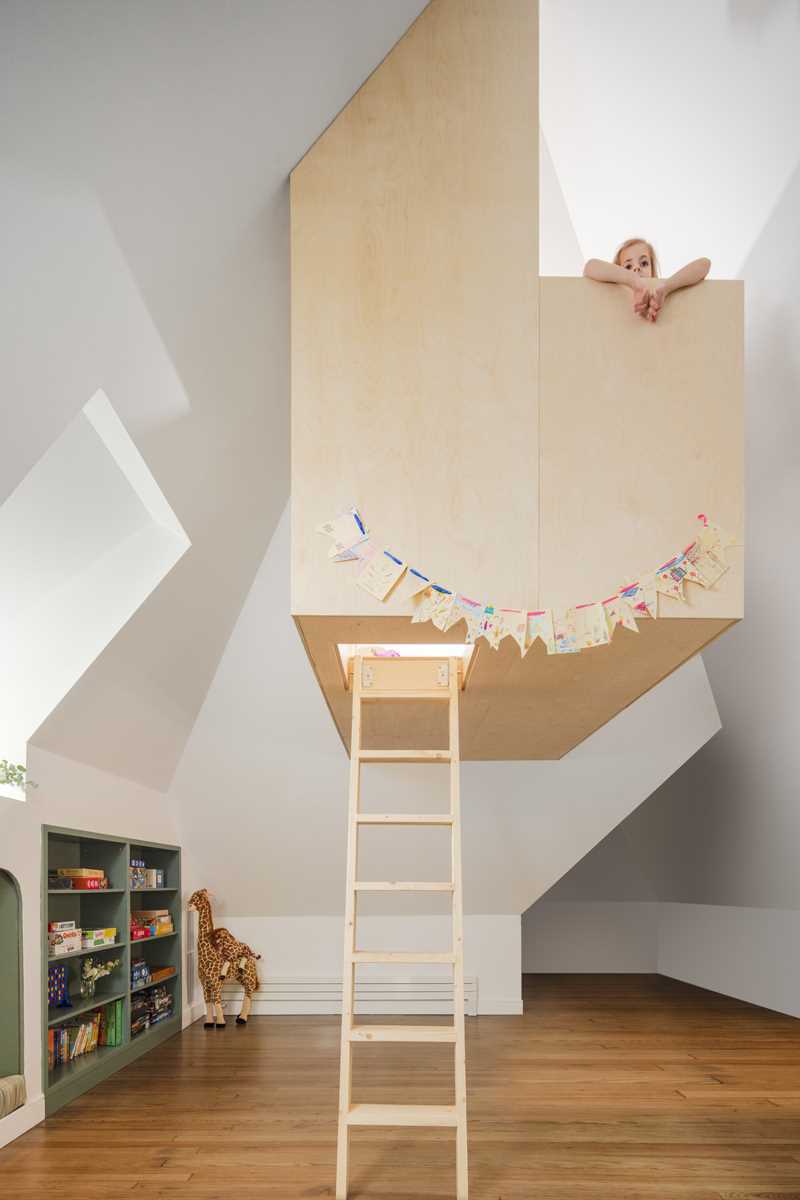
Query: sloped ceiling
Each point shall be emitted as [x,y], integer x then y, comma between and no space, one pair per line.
[182,121]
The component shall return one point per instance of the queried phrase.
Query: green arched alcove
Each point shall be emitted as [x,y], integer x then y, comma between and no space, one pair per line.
[10,976]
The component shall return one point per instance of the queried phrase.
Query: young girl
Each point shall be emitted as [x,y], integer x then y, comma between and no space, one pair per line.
[635,261]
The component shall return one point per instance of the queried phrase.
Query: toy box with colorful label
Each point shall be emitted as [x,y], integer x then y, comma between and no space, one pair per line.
[64,941]
[93,938]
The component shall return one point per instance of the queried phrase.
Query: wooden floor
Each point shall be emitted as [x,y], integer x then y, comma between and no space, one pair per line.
[609,1088]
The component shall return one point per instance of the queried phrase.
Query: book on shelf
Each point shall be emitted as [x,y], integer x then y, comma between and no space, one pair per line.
[81,872]
[72,1039]
[110,1030]
[140,972]
[149,1008]
[141,877]
[82,1035]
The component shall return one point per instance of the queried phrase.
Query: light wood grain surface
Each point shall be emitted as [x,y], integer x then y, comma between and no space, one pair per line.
[623,1087]
[527,442]
[537,707]
[642,427]
[414,259]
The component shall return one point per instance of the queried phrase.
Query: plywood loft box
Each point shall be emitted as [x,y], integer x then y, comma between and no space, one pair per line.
[527,441]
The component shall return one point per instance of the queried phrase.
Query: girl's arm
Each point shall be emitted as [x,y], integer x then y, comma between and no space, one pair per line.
[693,272]
[606,272]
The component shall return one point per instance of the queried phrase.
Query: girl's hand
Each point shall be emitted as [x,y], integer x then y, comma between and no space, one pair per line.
[656,301]
[641,296]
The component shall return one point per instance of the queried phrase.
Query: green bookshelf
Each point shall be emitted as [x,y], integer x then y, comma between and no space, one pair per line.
[102,908]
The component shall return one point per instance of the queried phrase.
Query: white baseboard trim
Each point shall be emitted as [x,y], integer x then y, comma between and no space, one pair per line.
[192,1013]
[500,1006]
[21,1120]
[298,995]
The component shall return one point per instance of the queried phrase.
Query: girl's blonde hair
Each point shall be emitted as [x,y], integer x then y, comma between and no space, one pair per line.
[632,242]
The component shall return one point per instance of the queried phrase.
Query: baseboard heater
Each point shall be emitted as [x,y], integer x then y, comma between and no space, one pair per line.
[299,994]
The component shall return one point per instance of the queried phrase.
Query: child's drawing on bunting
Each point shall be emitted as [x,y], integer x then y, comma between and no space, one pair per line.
[470,611]
[380,573]
[346,531]
[643,596]
[445,614]
[540,625]
[491,626]
[669,582]
[515,625]
[707,563]
[412,583]
[424,604]
[564,630]
[591,627]
[619,612]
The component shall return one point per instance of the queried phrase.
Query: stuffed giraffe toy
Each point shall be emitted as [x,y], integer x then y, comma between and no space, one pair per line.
[217,950]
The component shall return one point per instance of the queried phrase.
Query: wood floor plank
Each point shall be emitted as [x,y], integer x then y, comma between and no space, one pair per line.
[631,1087]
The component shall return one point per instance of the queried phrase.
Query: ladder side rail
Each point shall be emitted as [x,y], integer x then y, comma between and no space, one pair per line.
[458,942]
[349,962]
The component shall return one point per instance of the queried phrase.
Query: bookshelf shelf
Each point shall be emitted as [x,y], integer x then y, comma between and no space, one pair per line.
[57,1016]
[71,848]
[157,1033]
[81,1066]
[85,891]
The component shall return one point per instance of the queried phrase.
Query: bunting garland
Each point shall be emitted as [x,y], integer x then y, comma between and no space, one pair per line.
[565,630]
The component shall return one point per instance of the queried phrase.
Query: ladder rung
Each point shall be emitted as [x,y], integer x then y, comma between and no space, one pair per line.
[401,956]
[402,1033]
[404,818]
[419,694]
[402,1114]
[409,756]
[374,885]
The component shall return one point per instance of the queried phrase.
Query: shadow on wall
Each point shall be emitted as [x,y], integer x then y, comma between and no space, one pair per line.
[725,829]
[10,981]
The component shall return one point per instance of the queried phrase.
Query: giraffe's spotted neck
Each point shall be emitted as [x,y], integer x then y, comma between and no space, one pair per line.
[205,925]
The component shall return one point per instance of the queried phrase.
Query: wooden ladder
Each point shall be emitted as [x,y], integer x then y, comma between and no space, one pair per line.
[403,679]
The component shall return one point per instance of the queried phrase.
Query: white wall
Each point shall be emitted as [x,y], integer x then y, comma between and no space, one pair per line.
[559,251]
[610,936]
[718,842]
[90,536]
[600,917]
[144,205]
[298,950]
[749,953]
[76,797]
